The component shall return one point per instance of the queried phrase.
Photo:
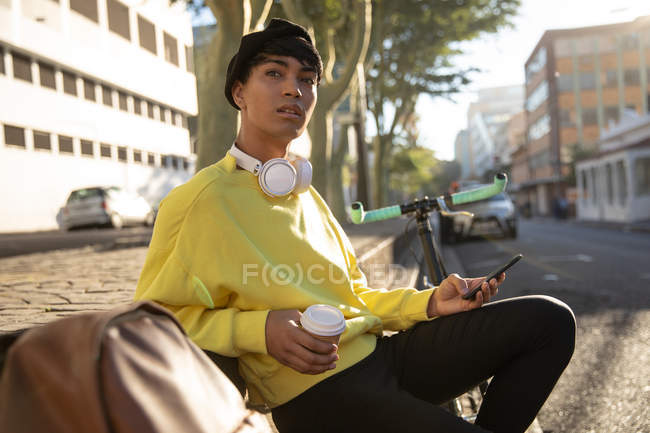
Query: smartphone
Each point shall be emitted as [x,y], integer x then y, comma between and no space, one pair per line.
[494,274]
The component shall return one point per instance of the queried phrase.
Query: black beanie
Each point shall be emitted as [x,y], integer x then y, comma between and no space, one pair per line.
[252,43]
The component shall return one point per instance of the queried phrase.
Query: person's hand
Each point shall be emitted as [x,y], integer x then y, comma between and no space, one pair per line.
[294,347]
[447,298]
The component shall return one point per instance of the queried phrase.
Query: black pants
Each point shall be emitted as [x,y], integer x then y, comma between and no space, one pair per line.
[524,343]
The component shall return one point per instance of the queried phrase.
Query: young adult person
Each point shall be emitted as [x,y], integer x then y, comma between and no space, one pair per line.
[245,246]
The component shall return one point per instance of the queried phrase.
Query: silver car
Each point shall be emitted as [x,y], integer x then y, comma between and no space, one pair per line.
[496,215]
[105,205]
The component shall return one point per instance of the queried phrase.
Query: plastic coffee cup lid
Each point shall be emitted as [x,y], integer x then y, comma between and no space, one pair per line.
[324,320]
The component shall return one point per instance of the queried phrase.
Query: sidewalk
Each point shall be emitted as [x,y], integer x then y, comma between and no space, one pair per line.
[38,288]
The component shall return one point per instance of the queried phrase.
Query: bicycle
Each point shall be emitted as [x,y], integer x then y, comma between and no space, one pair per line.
[436,271]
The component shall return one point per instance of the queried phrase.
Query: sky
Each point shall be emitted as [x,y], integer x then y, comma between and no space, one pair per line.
[501,58]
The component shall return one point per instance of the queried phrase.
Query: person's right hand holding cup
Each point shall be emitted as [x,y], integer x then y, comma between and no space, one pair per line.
[324,322]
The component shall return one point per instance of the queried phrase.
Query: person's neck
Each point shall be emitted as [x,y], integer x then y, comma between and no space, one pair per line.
[261,148]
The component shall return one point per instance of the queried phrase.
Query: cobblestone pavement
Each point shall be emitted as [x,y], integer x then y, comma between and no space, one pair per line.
[41,287]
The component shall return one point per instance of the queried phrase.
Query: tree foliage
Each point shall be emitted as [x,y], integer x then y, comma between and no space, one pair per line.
[413,48]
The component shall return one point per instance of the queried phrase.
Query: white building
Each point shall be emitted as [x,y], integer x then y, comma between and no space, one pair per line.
[92,92]
[462,153]
[487,119]
[615,184]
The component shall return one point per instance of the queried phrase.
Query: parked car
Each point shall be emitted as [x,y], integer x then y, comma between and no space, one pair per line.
[494,215]
[105,205]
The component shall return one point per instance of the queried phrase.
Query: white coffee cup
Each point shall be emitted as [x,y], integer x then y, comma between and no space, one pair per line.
[324,322]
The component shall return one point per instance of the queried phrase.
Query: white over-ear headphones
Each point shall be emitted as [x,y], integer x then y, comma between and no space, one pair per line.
[277,177]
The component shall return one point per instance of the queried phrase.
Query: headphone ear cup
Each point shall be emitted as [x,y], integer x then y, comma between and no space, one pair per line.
[277,177]
[303,175]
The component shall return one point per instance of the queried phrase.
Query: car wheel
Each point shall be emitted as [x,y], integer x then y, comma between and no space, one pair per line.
[116,221]
[512,231]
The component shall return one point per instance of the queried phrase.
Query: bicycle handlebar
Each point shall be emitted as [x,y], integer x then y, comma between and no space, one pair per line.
[482,193]
[359,216]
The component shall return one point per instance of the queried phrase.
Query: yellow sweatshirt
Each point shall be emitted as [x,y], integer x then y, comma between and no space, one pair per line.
[223,254]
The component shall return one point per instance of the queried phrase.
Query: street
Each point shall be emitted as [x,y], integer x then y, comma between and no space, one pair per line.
[604,276]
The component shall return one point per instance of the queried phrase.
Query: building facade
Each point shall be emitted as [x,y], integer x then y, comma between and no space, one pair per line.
[614,185]
[462,153]
[487,120]
[92,92]
[579,82]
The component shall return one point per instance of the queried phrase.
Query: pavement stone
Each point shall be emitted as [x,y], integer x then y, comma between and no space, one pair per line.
[41,287]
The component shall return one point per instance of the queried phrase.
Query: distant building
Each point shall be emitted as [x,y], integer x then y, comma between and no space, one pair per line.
[462,153]
[614,185]
[578,83]
[487,119]
[93,92]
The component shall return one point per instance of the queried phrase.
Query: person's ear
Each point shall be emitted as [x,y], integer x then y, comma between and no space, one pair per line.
[238,94]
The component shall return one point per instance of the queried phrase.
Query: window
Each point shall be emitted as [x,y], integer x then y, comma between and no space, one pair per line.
[14,136]
[151,160]
[137,156]
[122,101]
[611,78]
[42,140]
[105,150]
[186,164]
[565,118]
[622,182]
[642,176]
[589,116]
[536,65]
[121,153]
[611,115]
[107,96]
[22,67]
[630,42]
[87,8]
[47,75]
[89,90]
[2,61]
[539,95]
[118,19]
[137,105]
[609,178]
[162,114]
[184,121]
[150,112]
[176,118]
[69,83]
[565,83]
[189,59]
[174,161]
[540,128]
[631,77]
[87,148]
[147,35]
[171,48]
[65,144]
[587,80]
[585,185]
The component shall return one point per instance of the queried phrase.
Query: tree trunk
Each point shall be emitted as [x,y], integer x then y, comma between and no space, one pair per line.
[320,133]
[382,146]
[337,202]
[217,119]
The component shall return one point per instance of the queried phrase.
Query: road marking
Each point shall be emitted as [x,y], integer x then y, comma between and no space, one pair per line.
[551,277]
[571,258]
